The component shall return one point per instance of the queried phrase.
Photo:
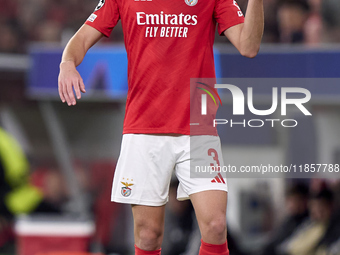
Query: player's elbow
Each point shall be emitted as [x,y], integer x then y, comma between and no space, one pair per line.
[250,52]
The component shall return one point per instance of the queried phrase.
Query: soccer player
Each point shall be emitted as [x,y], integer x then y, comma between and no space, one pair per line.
[167,43]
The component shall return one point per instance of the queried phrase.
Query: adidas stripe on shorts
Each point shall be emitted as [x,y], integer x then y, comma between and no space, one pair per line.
[147,162]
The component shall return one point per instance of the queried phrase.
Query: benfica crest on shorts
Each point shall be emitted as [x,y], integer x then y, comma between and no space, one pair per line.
[191,2]
[126,191]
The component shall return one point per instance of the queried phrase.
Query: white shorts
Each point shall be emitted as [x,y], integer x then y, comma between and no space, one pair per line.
[147,162]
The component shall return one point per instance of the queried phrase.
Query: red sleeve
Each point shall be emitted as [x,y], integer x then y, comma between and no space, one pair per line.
[105,17]
[227,13]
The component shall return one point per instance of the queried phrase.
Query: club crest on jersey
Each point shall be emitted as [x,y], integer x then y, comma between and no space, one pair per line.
[100,5]
[191,2]
[126,191]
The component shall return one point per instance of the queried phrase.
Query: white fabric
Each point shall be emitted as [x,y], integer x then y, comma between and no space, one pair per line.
[147,162]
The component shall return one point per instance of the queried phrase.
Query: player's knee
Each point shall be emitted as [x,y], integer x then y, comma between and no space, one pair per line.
[148,237]
[217,227]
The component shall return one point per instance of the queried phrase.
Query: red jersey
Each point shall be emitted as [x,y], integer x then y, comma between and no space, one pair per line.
[167,43]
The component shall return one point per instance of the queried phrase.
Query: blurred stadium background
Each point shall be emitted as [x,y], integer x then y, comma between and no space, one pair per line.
[57,163]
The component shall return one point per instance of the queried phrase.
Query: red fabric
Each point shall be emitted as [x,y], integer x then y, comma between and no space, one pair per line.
[34,245]
[139,251]
[213,249]
[161,64]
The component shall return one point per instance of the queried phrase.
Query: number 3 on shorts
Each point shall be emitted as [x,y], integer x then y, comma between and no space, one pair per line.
[213,153]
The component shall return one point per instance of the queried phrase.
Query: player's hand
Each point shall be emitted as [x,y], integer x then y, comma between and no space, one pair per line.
[70,79]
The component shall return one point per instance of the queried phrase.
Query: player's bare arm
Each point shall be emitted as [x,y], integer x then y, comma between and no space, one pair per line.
[73,55]
[247,37]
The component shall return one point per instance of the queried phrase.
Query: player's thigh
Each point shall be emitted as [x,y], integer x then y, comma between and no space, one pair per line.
[209,204]
[210,208]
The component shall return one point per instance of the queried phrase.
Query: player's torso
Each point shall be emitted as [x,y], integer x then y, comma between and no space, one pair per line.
[168,42]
